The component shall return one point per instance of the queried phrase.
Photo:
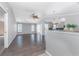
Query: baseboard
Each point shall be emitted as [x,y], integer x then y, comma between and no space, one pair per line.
[11,41]
[2,51]
[48,53]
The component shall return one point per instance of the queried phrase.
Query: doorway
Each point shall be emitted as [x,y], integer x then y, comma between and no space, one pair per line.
[2,29]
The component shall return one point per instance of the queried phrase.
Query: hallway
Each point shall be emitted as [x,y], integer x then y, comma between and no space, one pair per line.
[26,45]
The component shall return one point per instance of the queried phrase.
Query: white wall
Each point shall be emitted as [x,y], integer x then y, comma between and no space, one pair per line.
[11,24]
[26,28]
[70,18]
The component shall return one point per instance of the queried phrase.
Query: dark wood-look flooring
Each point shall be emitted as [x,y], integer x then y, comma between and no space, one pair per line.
[26,45]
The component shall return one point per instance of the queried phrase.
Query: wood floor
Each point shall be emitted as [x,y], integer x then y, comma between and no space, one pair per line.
[26,45]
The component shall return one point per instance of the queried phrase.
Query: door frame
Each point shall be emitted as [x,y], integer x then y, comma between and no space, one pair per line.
[5,17]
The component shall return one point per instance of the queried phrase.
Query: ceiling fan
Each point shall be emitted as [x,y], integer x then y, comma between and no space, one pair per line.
[35,16]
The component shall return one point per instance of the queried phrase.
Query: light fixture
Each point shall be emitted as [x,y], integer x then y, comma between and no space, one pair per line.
[35,16]
[55,17]
[62,19]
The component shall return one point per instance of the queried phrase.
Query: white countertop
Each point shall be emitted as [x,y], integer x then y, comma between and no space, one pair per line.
[76,33]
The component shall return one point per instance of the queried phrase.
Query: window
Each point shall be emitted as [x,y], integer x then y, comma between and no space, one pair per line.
[39,28]
[33,28]
[19,27]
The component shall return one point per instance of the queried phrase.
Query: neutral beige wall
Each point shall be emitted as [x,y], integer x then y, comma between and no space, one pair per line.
[1,28]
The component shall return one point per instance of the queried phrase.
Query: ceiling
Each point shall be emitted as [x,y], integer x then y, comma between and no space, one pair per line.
[24,10]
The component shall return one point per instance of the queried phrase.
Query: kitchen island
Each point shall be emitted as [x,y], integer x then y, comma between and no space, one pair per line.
[60,43]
